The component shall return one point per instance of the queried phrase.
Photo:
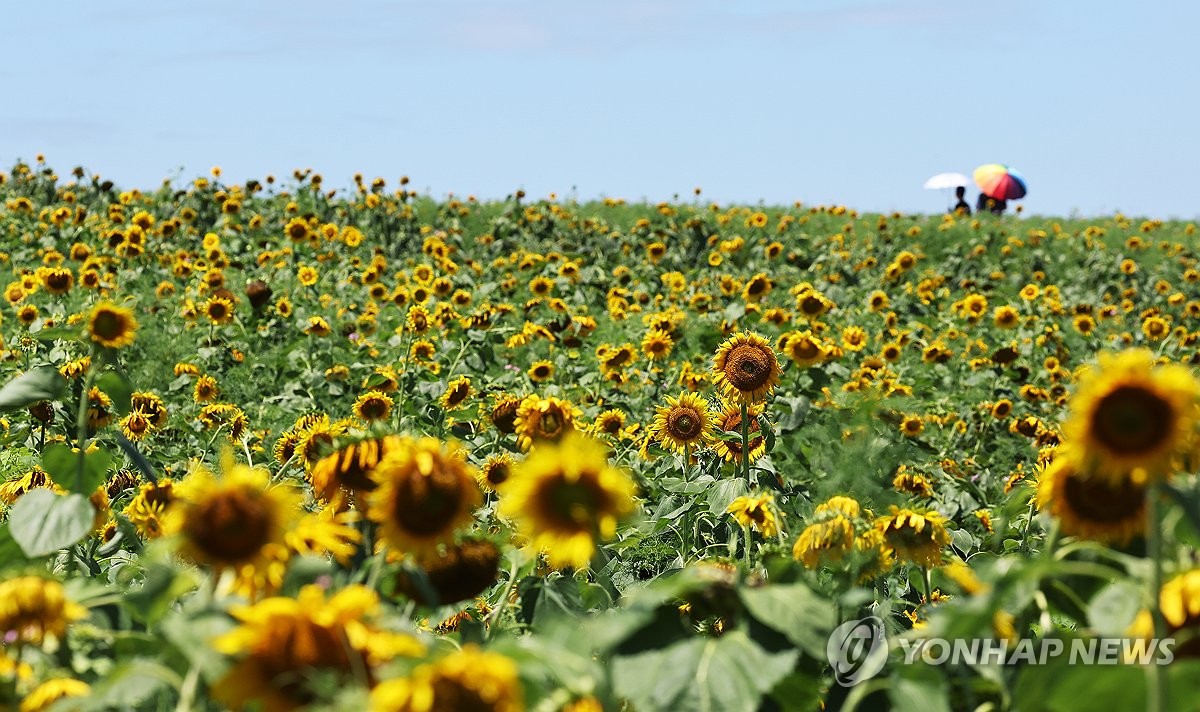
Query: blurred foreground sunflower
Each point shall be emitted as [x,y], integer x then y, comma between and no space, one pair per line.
[565,498]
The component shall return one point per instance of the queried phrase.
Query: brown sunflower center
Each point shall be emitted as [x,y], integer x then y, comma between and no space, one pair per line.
[426,505]
[374,408]
[1131,420]
[550,425]
[232,526]
[733,424]
[108,325]
[684,423]
[748,367]
[573,505]
[458,394]
[497,473]
[1096,499]
[451,694]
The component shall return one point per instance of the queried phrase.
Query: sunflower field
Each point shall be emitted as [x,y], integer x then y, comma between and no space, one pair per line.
[275,446]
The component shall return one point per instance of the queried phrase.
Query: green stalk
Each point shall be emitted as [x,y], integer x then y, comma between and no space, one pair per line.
[746,445]
[1157,694]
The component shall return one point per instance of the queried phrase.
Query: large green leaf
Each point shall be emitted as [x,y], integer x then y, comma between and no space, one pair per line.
[74,472]
[36,384]
[725,674]
[794,610]
[43,522]
[117,388]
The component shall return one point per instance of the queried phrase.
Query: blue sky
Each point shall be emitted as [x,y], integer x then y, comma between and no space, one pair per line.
[852,102]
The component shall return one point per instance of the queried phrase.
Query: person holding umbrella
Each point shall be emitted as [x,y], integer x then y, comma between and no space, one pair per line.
[998,184]
[962,207]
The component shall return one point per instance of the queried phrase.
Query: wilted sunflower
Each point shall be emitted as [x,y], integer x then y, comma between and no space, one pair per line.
[504,413]
[745,367]
[684,422]
[426,492]
[827,541]
[547,419]
[1106,509]
[757,512]
[729,420]
[467,679]
[565,497]
[349,467]
[373,405]
[231,522]
[280,643]
[914,536]
[1133,416]
[33,607]
[111,326]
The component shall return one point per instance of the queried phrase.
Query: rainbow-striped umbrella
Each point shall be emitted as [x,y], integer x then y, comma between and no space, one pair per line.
[1000,182]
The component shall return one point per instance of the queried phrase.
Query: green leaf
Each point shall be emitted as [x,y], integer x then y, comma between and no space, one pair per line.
[1113,609]
[724,492]
[1061,687]
[66,333]
[42,522]
[919,688]
[36,384]
[10,551]
[74,472]
[163,586]
[728,673]
[794,610]
[130,684]
[117,388]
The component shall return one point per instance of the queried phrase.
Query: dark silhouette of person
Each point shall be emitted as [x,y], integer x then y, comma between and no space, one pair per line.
[962,206]
[994,205]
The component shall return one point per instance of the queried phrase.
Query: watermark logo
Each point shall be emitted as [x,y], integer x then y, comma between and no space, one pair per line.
[857,650]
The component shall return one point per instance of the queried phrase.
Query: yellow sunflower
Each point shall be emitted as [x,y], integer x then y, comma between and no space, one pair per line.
[757,512]
[684,422]
[541,371]
[914,536]
[231,522]
[1132,416]
[149,507]
[280,643]
[111,326]
[805,349]
[426,491]
[46,694]
[495,471]
[827,541]
[1106,509]
[657,344]
[745,368]
[547,419]
[372,406]
[349,467]
[466,679]
[457,392]
[565,497]
[33,607]
[729,420]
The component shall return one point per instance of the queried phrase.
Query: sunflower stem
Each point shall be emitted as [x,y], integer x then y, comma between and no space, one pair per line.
[926,582]
[746,551]
[746,445]
[687,459]
[1156,698]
